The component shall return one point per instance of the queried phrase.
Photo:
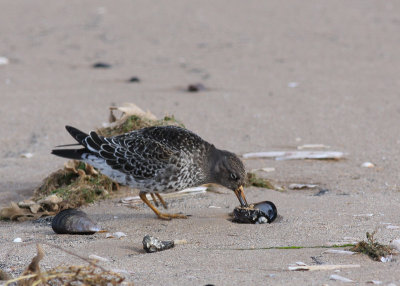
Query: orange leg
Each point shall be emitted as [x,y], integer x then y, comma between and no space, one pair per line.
[154,199]
[162,201]
[160,215]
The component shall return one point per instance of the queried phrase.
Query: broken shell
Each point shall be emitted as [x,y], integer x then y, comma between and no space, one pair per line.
[153,244]
[72,221]
[254,213]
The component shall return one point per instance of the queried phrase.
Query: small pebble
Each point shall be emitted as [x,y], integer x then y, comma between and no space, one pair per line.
[101,65]
[293,84]
[4,61]
[196,87]
[367,165]
[119,234]
[27,155]
[17,240]
[98,258]
[134,79]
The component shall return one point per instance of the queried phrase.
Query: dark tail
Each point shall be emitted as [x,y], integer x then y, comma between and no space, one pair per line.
[73,153]
[77,134]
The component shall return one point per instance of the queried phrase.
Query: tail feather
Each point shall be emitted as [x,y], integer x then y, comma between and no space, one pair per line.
[75,154]
[77,134]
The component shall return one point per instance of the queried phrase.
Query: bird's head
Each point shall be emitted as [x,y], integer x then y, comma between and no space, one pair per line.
[230,173]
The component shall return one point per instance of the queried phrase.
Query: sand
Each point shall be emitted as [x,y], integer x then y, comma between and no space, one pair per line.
[279,74]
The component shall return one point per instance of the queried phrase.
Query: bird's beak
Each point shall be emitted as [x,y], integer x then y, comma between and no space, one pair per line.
[239,192]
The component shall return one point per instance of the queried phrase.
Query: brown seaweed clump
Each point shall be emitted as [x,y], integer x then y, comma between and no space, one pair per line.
[75,185]
[372,248]
[256,181]
[133,118]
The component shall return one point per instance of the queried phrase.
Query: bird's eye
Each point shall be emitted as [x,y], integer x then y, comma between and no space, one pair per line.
[233,176]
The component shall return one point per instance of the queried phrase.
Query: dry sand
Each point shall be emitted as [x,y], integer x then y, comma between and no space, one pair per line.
[344,58]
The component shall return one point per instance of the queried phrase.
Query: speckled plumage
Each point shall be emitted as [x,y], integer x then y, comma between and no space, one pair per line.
[157,159]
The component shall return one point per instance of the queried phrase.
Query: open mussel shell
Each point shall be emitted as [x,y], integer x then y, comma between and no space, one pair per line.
[256,213]
[73,221]
[152,244]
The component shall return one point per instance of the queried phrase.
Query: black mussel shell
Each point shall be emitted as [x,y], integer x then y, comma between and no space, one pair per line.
[256,213]
[152,244]
[73,221]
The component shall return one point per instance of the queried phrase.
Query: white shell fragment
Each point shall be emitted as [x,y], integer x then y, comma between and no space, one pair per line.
[392,227]
[340,278]
[4,61]
[98,258]
[313,146]
[266,170]
[119,234]
[338,251]
[293,84]
[367,165]
[376,282]
[292,155]
[322,267]
[396,244]
[26,155]
[17,240]
[302,186]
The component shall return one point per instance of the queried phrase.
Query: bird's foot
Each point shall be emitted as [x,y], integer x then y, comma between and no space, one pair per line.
[170,216]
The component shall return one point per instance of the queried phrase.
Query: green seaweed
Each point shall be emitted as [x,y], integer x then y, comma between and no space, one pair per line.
[372,248]
[255,181]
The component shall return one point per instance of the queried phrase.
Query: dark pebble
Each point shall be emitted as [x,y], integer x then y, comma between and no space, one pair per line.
[134,79]
[196,87]
[101,65]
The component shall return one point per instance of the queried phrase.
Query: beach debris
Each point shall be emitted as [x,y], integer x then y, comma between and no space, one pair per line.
[256,181]
[395,244]
[302,186]
[26,155]
[98,258]
[321,192]
[367,165]
[196,87]
[322,267]
[73,221]
[293,155]
[266,170]
[133,118]
[186,192]
[313,146]
[152,244]
[339,251]
[293,84]
[340,278]
[117,234]
[17,240]
[373,249]
[101,65]
[91,274]
[4,61]
[134,79]
[259,213]
[375,282]
[392,227]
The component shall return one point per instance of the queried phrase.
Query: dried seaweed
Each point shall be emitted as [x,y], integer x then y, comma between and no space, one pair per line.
[75,185]
[90,274]
[134,122]
[255,181]
[372,248]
